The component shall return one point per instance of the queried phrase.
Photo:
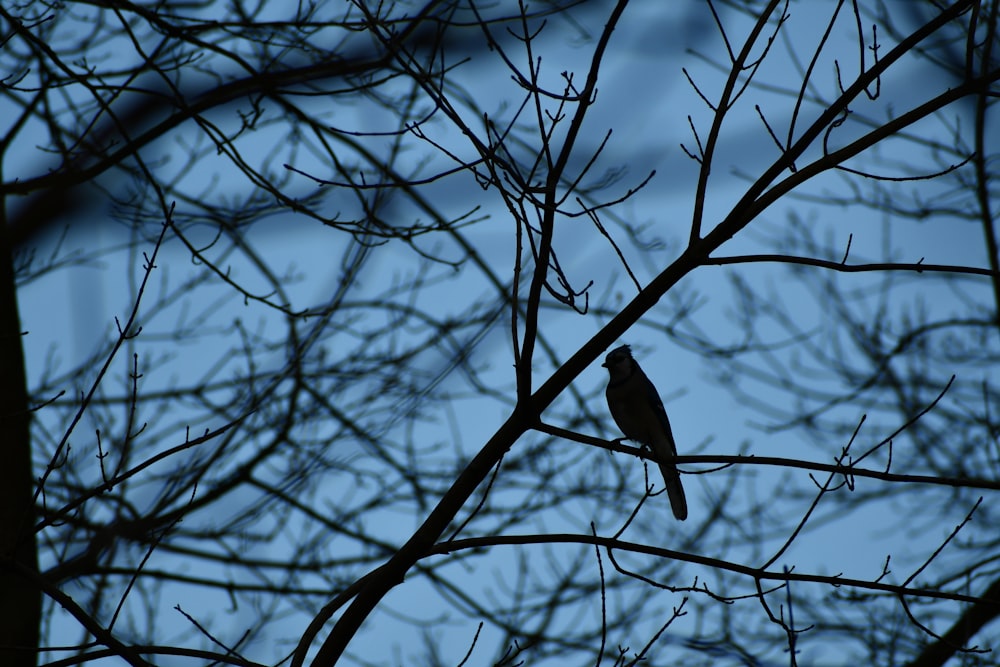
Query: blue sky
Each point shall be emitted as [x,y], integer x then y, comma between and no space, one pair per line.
[644,98]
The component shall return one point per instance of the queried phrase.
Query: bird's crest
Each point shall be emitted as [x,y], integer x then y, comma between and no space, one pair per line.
[618,355]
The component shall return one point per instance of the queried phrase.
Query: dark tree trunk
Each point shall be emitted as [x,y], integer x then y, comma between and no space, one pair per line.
[20,598]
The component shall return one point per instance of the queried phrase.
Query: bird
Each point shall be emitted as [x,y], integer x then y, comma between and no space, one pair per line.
[637,409]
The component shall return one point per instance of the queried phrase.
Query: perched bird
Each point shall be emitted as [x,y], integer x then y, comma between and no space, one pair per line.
[639,413]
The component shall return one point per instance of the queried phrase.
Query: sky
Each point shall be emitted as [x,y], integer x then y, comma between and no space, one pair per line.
[645,100]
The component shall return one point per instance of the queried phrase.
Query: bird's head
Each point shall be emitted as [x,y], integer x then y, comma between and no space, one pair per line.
[619,363]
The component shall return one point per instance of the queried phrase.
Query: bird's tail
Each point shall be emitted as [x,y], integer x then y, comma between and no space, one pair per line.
[675,492]
[671,478]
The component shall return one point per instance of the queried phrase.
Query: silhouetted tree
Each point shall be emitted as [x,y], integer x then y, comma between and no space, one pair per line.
[302,305]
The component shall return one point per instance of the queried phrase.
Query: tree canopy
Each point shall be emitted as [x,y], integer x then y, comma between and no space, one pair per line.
[304,306]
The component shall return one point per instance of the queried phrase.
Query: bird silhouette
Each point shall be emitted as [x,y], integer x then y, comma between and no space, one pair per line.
[639,413]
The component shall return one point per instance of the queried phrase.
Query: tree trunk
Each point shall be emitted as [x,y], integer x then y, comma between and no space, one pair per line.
[20,598]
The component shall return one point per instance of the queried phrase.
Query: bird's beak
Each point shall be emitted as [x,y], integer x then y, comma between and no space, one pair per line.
[605,364]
